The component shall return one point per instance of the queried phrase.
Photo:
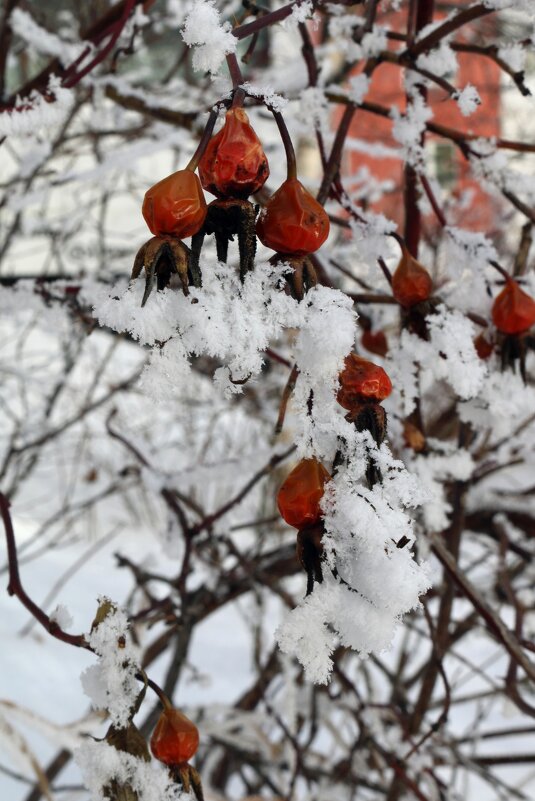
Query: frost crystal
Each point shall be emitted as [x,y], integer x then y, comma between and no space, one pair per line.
[101,764]
[41,40]
[302,11]
[270,98]
[358,87]
[212,41]
[440,61]
[34,112]
[409,127]
[62,617]
[468,100]
[111,683]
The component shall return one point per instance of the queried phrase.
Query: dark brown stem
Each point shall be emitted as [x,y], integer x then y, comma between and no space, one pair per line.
[291,163]
[432,199]
[447,27]
[234,70]
[205,138]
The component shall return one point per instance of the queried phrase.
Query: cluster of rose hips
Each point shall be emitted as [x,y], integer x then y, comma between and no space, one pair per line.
[232,166]
[513,314]
[363,385]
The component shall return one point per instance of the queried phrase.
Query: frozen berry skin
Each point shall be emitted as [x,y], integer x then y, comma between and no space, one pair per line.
[292,222]
[411,283]
[175,739]
[299,496]
[175,206]
[234,164]
[513,311]
[362,380]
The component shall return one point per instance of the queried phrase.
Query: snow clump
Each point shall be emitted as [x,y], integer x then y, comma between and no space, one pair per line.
[211,40]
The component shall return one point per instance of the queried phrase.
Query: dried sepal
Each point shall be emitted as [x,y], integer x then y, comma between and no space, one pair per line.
[162,259]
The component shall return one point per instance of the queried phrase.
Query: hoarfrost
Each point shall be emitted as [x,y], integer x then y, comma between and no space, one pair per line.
[468,100]
[111,683]
[62,617]
[358,87]
[408,128]
[36,112]
[440,60]
[212,40]
[42,41]
[101,764]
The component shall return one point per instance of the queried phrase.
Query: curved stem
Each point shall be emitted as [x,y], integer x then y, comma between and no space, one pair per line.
[291,162]
[205,138]
[500,269]
[166,703]
[15,587]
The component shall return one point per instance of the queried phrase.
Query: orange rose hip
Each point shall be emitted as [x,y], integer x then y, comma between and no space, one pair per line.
[299,496]
[234,164]
[293,223]
[513,311]
[411,283]
[175,739]
[175,206]
[362,380]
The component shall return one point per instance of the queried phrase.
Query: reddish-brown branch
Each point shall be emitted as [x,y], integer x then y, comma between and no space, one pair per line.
[109,23]
[448,27]
[209,520]
[494,623]
[15,587]
[433,201]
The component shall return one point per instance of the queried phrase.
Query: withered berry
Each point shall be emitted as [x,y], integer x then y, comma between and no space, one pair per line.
[513,311]
[362,380]
[175,739]
[234,164]
[175,206]
[299,496]
[411,283]
[293,223]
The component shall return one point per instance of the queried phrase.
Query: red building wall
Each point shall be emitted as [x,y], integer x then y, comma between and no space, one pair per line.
[479,210]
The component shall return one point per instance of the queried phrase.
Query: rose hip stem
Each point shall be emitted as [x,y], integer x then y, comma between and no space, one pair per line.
[205,138]
[288,146]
